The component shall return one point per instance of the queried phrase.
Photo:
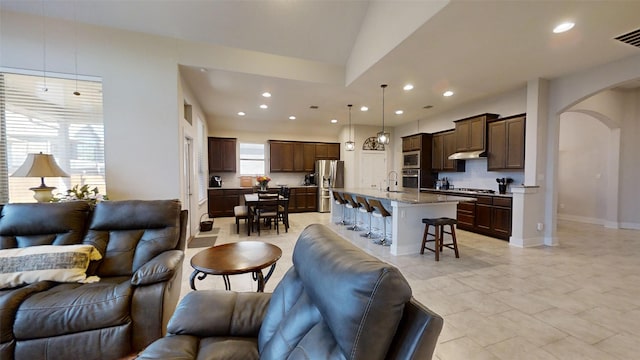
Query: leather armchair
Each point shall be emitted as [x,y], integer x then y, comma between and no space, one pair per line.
[336,302]
[142,247]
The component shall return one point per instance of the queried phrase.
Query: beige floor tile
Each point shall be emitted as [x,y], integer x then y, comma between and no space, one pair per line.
[519,348]
[575,326]
[571,348]
[578,300]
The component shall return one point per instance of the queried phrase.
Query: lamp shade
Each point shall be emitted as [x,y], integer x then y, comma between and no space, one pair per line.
[40,165]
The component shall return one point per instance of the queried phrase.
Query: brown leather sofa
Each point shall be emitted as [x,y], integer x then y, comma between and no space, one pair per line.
[336,302]
[142,247]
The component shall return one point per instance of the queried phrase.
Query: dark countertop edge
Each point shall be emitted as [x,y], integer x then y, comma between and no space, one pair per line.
[454,191]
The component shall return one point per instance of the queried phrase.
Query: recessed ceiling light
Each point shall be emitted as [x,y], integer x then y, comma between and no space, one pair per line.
[292,117]
[266,94]
[565,26]
[263,106]
[364,108]
[408,87]
[447,93]
[334,121]
[241,113]
[203,70]
[399,112]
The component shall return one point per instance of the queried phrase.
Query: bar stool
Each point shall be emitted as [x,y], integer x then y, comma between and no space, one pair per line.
[337,197]
[352,204]
[381,213]
[365,207]
[438,235]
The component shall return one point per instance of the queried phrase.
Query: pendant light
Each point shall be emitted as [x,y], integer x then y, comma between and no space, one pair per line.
[349,145]
[383,137]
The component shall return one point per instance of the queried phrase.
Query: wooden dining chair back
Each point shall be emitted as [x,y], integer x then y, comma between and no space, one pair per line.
[267,211]
[284,192]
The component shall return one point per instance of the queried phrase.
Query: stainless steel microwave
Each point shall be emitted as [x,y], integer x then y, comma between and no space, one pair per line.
[411,160]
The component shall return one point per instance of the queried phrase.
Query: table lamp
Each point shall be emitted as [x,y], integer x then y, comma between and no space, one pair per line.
[40,165]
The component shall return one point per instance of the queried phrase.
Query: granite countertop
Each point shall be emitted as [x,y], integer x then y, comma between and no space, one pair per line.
[410,196]
[459,192]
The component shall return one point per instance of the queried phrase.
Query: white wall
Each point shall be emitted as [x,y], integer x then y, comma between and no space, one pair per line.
[139,72]
[582,168]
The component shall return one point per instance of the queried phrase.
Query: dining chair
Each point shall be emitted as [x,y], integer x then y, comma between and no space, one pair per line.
[284,192]
[267,211]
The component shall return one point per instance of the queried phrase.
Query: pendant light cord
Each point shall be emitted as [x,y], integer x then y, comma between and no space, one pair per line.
[383,86]
[349,121]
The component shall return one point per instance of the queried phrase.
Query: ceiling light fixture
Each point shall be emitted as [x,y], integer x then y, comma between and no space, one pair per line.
[349,145]
[447,93]
[292,117]
[565,26]
[266,94]
[364,108]
[334,121]
[399,112]
[383,137]
[408,87]
[241,113]
[264,106]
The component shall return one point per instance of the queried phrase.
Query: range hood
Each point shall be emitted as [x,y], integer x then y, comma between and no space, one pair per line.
[468,155]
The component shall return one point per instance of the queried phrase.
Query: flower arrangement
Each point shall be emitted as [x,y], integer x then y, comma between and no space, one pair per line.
[263,181]
[92,196]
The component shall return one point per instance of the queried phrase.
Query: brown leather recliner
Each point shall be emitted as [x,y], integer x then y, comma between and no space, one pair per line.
[142,247]
[336,302]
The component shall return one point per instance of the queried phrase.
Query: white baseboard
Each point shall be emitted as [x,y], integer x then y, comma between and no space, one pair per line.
[528,242]
[582,219]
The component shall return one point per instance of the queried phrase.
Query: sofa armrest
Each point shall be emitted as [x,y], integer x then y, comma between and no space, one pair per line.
[207,313]
[160,268]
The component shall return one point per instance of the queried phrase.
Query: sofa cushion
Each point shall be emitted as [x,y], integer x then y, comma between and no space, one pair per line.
[130,233]
[10,300]
[23,225]
[336,300]
[193,347]
[71,308]
[64,263]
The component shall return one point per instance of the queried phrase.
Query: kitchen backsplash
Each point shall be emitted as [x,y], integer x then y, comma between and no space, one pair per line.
[230,180]
[476,176]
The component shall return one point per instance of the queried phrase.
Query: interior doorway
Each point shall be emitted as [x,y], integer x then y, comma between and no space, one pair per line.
[187,193]
[373,170]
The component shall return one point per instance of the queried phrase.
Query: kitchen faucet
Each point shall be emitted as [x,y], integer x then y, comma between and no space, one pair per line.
[395,178]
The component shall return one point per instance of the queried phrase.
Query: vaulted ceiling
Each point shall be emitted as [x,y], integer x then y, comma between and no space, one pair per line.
[476,49]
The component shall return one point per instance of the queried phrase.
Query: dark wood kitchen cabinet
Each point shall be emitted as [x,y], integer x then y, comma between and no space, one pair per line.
[295,156]
[444,144]
[303,199]
[222,154]
[222,201]
[471,132]
[488,215]
[505,143]
[412,143]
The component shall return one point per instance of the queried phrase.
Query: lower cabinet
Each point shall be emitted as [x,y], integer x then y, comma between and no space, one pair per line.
[222,201]
[488,215]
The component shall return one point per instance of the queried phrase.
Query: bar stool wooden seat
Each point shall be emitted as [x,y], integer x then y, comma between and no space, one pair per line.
[438,235]
[381,212]
[352,204]
[339,200]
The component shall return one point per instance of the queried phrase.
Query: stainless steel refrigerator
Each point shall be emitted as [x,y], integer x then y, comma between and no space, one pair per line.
[330,174]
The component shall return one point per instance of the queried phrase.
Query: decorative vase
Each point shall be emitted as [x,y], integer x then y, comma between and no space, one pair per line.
[263,186]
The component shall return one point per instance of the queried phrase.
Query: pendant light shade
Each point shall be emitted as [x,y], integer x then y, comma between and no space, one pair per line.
[383,137]
[349,145]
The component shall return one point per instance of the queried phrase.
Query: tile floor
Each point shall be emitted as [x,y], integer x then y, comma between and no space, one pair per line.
[579,300]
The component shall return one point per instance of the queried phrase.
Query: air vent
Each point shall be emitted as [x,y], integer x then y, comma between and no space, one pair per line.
[632,38]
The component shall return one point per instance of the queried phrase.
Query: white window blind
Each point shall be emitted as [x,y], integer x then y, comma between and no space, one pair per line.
[251,159]
[54,122]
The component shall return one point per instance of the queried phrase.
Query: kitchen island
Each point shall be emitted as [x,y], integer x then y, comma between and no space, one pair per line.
[408,208]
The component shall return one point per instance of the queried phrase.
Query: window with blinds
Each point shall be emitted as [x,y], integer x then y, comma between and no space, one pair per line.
[39,114]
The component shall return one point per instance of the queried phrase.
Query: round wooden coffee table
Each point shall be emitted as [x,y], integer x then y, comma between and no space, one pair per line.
[236,258]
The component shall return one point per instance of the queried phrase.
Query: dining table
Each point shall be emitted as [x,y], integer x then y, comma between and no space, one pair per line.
[253,199]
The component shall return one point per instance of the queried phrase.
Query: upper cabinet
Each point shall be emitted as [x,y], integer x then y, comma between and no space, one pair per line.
[444,144]
[222,154]
[470,132]
[412,143]
[293,156]
[506,143]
